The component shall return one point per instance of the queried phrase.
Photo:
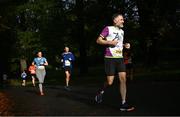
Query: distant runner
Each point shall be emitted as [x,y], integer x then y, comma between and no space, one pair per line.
[67,59]
[40,63]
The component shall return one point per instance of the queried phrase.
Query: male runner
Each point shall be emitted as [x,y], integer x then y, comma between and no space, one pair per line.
[112,37]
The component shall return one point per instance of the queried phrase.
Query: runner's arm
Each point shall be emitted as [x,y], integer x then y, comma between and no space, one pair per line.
[100,40]
[72,57]
[46,63]
[33,63]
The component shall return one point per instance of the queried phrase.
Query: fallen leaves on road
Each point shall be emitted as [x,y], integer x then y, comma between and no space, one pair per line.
[5,105]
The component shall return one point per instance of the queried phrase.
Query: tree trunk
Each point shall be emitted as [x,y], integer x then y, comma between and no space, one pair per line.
[148,25]
[81,37]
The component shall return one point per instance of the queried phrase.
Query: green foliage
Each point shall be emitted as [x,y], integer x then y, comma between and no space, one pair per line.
[49,25]
[28,40]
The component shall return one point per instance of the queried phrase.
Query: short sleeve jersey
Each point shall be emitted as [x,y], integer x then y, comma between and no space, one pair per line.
[23,75]
[111,33]
[39,61]
[32,69]
[67,59]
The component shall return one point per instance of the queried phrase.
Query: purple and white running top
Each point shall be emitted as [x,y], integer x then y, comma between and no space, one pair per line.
[113,33]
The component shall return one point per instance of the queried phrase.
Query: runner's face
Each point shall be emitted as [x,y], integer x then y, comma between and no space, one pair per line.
[119,21]
[66,49]
[39,54]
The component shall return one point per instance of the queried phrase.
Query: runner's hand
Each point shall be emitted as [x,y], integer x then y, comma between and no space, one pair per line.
[127,45]
[113,43]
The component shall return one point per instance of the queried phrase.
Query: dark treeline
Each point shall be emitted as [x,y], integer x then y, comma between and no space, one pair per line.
[27,26]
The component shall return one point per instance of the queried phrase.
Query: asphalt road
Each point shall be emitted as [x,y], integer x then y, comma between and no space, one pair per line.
[155,98]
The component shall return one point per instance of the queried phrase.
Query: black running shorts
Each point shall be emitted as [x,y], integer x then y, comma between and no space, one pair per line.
[67,68]
[114,65]
[33,75]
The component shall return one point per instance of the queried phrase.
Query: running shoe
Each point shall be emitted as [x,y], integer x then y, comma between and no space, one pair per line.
[67,88]
[126,107]
[41,93]
[99,97]
[23,84]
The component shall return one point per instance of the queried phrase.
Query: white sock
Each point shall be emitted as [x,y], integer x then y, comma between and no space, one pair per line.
[102,91]
[124,101]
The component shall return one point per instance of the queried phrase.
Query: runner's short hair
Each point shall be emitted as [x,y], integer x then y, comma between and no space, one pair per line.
[116,15]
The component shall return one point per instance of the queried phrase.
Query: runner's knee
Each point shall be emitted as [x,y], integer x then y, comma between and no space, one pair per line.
[109,83]
[122,79]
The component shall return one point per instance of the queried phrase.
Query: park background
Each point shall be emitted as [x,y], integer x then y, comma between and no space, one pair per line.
[151,26]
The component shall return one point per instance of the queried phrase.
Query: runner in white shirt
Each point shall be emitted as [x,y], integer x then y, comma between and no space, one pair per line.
[112,37]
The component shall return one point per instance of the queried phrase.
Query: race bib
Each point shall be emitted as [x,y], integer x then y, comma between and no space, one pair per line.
[41,67]
[67,63]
